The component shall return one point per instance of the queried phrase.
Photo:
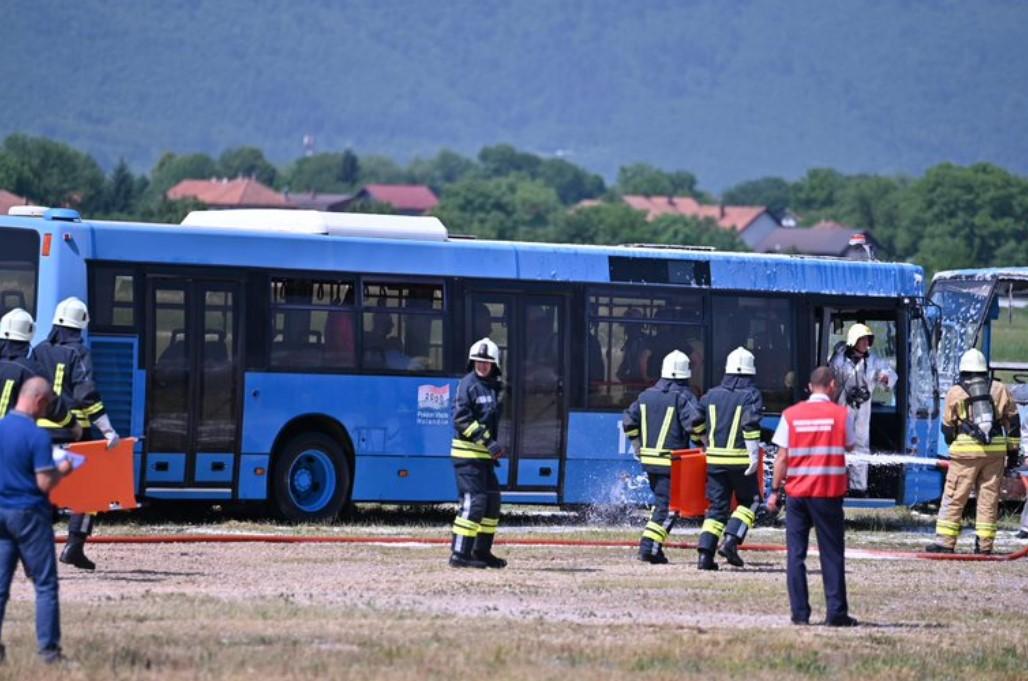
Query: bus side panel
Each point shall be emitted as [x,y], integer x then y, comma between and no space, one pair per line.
[599,467]
[396,424]
[123,388]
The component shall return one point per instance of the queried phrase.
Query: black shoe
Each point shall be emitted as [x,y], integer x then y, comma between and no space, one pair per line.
[490,560]
[459,561]
[730,552]
[51,655]
[654,558]
[937,548]
[799,622]
[844,621]
[73,554]
[1022,534]
[706,561]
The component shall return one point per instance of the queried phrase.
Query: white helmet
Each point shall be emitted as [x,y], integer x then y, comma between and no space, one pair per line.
[675,366]
[858,331]
[484,350]
[740,362]
[973,362]
[71,312]
[17,325]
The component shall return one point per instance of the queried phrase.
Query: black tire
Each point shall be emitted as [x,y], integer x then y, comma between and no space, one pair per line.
[310,479]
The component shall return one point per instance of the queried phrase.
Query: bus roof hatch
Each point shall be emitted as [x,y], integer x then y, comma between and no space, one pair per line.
[367,225]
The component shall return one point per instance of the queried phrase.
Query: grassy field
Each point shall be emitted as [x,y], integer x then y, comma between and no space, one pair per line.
[378,611]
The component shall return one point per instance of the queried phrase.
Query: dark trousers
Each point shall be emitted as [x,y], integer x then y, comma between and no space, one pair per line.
[722,482]
[26,533]
[826,517]
[661,519]
[478,498]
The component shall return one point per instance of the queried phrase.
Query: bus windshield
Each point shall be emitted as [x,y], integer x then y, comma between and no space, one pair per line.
[19,262]
[963,304]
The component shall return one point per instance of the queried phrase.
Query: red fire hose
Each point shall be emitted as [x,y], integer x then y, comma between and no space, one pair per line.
[322,539]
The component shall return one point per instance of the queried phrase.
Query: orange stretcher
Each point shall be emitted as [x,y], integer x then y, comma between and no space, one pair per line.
[689,482]
[105,482]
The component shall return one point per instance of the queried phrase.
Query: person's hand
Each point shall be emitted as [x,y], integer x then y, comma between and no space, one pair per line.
[772,502]
[883,379]
[64,466]
[495,450]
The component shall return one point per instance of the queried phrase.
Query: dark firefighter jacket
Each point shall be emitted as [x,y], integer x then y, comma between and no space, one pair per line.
[732,414]
[67,364]
[476,416]
[15,369]
[661,419]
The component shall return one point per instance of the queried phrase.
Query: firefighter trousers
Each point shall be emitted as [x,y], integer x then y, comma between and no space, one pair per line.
[983,475]
[661,519]
[722,482]
[478,513]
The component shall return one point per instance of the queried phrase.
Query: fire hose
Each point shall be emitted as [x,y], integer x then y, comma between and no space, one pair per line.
[593,543]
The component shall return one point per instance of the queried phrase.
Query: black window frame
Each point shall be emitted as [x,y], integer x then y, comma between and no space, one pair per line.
[97,268]
[272,307]
[34,253]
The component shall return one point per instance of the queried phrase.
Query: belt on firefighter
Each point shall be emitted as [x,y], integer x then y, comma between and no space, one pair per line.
[727,456]
[648,456]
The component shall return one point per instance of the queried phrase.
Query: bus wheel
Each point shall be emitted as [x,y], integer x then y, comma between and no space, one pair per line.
[312,478]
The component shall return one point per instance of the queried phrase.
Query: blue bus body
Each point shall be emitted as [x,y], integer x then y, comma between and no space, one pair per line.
[392,427]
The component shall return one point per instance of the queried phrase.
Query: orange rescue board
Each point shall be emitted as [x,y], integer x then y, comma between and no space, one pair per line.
[105,482]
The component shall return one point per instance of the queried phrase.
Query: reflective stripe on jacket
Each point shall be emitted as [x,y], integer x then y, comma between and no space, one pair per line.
[817,450]
[732,410]
[66,363]
[476,417]
[661,419]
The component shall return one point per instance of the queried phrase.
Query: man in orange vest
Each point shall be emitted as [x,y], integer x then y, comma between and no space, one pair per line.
[813,438]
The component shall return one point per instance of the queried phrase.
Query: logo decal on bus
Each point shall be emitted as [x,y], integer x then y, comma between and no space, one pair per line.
[434,405]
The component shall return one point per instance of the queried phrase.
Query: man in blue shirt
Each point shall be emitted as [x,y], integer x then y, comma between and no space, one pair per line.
[27,474]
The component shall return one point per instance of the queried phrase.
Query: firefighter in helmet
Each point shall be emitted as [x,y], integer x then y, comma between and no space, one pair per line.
[475,453]
[659,422]
[16,330]
[981,426]
[731,428]
[67,364]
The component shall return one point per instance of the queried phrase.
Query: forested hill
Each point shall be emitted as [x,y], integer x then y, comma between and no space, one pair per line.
[728,90]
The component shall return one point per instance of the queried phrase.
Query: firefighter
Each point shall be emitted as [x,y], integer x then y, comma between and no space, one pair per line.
[981,426]
[658,422]
[731,429]
[67,364]
[858,371]
[16,330]
[476,453]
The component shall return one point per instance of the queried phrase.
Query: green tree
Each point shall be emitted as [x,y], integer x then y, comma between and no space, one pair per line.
[442,170]
[172,169]
[818,189]
[604,223]
[501,160]
[642,178]
[327,173]
[684,230]
[51,173]
[121,192]
[571,183]
[247,162]
[499,208]
[382,170]
[772,192]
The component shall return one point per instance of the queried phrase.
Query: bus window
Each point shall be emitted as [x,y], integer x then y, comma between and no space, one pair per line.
[19,259]
[764,327]
[1008,353]
[112,299]
[403,326]
[313,324]
[629,337]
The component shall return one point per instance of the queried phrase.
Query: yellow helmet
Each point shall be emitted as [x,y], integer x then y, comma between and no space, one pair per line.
[858,331]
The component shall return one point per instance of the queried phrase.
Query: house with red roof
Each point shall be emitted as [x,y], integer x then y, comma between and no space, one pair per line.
[752,223]
[9,200]
[406,199]
[825,238]
[242,192]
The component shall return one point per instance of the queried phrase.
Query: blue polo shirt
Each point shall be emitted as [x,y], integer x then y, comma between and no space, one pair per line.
[25,449]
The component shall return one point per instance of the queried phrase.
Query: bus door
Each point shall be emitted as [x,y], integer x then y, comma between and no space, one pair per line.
[193,390]
[530,330]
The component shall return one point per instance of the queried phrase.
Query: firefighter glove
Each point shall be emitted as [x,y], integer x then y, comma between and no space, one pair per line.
[753,449]
[495,449]
[104,424]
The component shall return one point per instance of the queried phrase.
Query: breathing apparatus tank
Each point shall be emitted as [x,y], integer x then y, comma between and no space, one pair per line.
[974,379]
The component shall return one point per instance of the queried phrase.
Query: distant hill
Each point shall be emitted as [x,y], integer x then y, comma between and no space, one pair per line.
[728,90]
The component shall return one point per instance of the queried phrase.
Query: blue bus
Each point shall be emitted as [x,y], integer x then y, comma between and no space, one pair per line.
[307,360]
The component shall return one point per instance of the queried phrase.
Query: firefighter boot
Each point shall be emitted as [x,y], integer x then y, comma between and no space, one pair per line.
[462,560]
[730,550]
[483,551]
[937,548]
[978,548]
[706,561]
[74,553]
